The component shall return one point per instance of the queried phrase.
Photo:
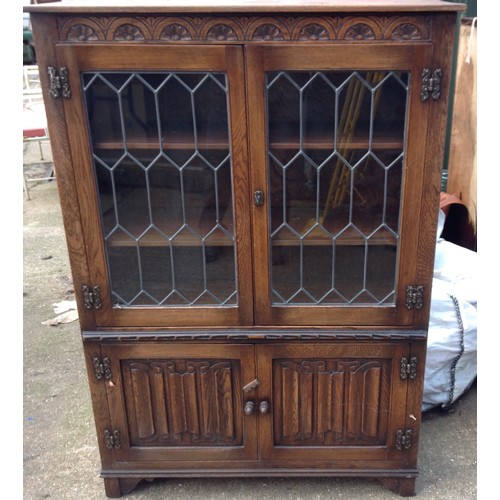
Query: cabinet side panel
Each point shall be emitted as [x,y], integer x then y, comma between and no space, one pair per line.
[443,34]
[45,37]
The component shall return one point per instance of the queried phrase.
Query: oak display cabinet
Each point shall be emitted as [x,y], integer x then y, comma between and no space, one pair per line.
[250,197]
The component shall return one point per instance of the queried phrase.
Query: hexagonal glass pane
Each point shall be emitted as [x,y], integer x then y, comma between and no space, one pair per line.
[381,267]
[317,265]
[393,197]
[355,100]
[166,196]
[211,125]
[176,111]
[369,195]
[188,265]
[335,195]
[103,107]
[199,196]
[319,105]
[283,114]
[220,265]
[300,185]
[391,95]
[124,270]
[131,193]
[349,268]
[285,265]
[140,124]
[156,270]
[105,191]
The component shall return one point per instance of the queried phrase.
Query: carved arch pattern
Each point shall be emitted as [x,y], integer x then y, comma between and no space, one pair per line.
[180,403]
[244,28]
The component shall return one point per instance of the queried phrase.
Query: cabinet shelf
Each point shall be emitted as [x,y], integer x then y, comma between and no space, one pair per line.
[316,237]
[318,142]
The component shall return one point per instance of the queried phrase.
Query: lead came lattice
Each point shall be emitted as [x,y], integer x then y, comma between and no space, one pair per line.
[162,163]
[335,167]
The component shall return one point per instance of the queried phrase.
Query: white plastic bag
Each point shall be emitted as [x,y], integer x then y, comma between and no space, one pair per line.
[451,365]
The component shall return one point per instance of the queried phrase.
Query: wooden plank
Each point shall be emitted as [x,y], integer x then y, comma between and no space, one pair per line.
[462,163]
[186,6]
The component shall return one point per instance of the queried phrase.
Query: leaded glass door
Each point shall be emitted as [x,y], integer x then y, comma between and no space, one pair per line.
[332,171]
[161,133]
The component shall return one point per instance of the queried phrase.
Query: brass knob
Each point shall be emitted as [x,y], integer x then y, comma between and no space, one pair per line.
[264,407]
[249,408]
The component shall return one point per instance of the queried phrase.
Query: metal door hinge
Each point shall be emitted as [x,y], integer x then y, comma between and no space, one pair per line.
[91,296]
[112,439]
[58,83]
[404,439]
[409,368]
[431,84]
[414,296]
[102,369]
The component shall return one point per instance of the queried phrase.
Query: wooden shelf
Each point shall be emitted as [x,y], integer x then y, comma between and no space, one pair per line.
[318,142]
[350,237]
[327,142]
[186,238]
[155,239]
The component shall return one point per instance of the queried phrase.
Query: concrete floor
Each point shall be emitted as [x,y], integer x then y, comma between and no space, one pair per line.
[61,459]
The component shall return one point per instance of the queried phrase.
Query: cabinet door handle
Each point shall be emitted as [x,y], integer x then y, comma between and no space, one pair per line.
[249,408]
[258,198]
[264,407]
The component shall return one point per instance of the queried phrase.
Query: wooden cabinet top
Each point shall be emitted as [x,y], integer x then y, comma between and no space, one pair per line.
[243,6]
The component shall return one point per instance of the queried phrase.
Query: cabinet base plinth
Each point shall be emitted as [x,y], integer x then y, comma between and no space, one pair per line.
[116,487]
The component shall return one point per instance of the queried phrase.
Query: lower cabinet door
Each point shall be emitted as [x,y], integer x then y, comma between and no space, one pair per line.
[180,402]
[331,402]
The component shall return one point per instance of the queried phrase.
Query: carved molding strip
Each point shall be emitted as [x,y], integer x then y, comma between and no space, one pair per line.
[243,28]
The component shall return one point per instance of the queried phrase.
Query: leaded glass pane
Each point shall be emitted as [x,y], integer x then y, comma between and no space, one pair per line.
[335,163]
[162,164]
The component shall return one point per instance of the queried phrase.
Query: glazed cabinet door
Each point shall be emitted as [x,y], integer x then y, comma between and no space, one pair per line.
[332,403]
[180,402]
[337,147]
[158,140]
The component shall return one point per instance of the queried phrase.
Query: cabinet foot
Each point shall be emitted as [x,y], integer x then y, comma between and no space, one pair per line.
[116,487]
[403,486]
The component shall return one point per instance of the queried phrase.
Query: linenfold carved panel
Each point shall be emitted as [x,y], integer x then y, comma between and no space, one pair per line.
[181,403]
[243,28]
[330,402]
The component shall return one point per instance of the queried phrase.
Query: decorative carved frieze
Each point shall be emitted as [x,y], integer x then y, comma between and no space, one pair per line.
[243,28]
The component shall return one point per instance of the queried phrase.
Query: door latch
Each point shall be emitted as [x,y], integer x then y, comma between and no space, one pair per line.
[258,198]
